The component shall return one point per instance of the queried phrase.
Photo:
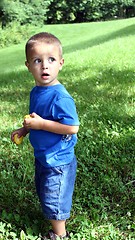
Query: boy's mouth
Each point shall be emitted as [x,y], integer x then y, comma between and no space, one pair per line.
[45,75]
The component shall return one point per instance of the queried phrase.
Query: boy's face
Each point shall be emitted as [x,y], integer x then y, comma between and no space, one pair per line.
[44,62]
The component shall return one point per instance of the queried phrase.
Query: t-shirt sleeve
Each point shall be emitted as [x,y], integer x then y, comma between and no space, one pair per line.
[64,111]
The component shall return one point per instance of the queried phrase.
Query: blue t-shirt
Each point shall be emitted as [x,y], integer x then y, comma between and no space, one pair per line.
[53,103]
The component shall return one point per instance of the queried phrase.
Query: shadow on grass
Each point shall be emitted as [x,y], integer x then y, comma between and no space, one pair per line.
[14,92]
[112,88]
[105,149]
[19,203]
[124,32]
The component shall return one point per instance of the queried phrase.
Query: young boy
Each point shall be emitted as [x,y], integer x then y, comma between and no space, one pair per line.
[52,128]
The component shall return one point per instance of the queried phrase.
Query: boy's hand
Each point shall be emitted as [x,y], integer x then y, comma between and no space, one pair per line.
[19,133]
[33,122]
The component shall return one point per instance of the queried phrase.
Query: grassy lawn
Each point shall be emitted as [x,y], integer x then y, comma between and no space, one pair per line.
[99,72]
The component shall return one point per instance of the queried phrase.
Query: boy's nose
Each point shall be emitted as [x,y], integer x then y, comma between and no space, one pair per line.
[44,65]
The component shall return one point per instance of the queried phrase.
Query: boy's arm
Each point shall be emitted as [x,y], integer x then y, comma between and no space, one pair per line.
[59,128]
[38,123]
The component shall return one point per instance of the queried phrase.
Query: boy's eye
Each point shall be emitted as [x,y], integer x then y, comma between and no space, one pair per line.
[37,60]
[51,59]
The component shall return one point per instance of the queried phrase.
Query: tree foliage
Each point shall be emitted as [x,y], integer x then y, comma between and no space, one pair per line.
[63,11]
[24,11]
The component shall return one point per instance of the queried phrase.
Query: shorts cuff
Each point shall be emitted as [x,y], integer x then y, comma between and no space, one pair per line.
[58,216]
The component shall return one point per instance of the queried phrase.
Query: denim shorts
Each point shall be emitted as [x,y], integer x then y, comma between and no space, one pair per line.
[55,189]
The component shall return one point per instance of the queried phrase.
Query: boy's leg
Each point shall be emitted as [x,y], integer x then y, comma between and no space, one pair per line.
[55,188]
[58,227]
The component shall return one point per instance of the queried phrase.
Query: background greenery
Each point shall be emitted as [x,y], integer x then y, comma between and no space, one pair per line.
[63,11]
[99,73]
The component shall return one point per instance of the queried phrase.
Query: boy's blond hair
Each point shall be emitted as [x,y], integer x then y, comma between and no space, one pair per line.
[43,37]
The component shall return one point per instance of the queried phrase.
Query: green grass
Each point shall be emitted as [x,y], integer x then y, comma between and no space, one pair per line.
[99,72]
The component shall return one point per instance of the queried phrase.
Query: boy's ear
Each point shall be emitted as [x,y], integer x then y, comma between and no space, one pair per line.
[61,63]
[27,65]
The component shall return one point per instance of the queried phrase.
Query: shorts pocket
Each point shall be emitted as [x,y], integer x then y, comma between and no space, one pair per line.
[57,170]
